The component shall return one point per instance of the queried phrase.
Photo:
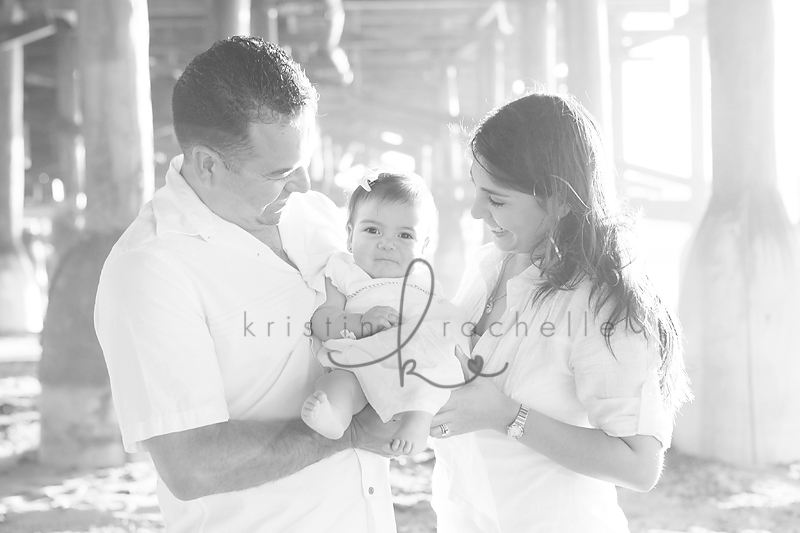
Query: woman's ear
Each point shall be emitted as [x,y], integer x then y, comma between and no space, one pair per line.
[558,208]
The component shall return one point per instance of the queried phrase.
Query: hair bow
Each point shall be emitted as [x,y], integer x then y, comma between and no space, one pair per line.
[368,179]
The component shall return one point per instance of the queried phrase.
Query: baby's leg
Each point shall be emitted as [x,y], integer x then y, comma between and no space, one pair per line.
[329,410]
[412,435]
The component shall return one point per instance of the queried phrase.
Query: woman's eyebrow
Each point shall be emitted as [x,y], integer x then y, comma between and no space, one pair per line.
[484,189]
[493,192]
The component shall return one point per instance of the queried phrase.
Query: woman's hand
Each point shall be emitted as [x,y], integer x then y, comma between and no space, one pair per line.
[477,405]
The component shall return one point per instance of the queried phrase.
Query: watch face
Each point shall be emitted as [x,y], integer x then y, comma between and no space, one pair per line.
[514,431]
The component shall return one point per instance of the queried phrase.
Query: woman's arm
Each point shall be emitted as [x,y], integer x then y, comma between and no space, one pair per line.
[633,462]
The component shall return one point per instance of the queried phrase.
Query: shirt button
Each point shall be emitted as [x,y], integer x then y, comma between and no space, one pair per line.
[371,490]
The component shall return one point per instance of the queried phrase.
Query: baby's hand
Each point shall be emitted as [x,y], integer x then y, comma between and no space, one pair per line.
[377,319]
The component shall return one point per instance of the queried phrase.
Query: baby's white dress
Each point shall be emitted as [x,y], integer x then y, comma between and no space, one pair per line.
[430,369]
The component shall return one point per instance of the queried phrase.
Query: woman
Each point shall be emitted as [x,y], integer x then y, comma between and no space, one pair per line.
[587,357]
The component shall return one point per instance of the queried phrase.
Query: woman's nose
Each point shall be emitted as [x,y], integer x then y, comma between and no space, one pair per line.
[477,210]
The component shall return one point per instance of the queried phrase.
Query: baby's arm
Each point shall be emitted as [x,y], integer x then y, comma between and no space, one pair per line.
[331,319]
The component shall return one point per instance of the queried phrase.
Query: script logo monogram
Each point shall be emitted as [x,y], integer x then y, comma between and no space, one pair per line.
[409,366]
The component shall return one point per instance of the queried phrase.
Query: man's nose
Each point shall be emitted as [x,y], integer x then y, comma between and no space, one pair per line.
[300,181]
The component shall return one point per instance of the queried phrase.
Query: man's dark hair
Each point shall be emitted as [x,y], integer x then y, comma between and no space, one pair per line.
[236,82]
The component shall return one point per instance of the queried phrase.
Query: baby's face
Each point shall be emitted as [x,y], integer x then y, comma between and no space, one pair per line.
[386,237]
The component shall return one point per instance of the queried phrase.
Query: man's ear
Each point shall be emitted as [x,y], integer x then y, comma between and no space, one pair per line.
[205,163]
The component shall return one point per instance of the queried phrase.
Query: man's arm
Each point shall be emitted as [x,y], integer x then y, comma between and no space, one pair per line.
[241,454]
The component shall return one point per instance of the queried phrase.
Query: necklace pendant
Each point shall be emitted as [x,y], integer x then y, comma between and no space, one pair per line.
[489,307]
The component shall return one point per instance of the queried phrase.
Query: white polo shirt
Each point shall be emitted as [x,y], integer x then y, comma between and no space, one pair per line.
[201,323]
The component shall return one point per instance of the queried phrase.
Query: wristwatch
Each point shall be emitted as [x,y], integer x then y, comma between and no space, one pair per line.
[517,427]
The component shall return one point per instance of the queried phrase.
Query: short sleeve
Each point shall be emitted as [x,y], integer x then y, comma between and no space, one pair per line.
[312,229]
[160,355]
[620,390]
[344,273]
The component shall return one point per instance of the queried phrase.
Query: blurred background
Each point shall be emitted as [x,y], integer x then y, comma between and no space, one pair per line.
[697,100]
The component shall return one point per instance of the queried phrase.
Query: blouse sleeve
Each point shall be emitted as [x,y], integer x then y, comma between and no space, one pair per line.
[620,390]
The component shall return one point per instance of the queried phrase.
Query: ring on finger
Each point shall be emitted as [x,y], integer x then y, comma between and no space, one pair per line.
[445,430]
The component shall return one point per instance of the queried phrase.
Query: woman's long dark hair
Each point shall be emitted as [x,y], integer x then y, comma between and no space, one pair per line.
[548,145]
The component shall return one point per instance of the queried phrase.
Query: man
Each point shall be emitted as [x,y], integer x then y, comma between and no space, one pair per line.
[202,314]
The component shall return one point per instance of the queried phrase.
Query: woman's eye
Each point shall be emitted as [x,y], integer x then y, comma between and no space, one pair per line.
[494,204]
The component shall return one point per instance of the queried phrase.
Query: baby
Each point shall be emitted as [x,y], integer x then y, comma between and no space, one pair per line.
[389,219]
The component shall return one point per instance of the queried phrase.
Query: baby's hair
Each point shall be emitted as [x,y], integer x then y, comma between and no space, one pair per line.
[394,187]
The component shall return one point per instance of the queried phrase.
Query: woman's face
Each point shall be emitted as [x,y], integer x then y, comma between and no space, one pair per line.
[517,220]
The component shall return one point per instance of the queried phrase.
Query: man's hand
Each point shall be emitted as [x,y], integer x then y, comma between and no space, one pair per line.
[368,432]
[377,319]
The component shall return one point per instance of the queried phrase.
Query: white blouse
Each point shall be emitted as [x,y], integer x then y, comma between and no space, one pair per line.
[559,365]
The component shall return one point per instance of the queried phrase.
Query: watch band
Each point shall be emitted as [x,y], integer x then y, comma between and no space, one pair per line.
[517,427]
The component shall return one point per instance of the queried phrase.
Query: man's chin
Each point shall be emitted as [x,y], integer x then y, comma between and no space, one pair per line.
[269,217]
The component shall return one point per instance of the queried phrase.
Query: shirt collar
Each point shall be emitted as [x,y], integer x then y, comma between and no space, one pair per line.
[178,209]
[491,263]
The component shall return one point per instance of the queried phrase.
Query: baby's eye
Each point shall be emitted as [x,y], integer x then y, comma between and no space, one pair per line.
[371,230]
[406,236]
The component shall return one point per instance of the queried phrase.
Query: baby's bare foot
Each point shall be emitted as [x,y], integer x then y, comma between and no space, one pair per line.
[322,417]
[399,447]
[409,438]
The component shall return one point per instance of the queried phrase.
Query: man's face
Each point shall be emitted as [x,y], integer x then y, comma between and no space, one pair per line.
[253,190]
